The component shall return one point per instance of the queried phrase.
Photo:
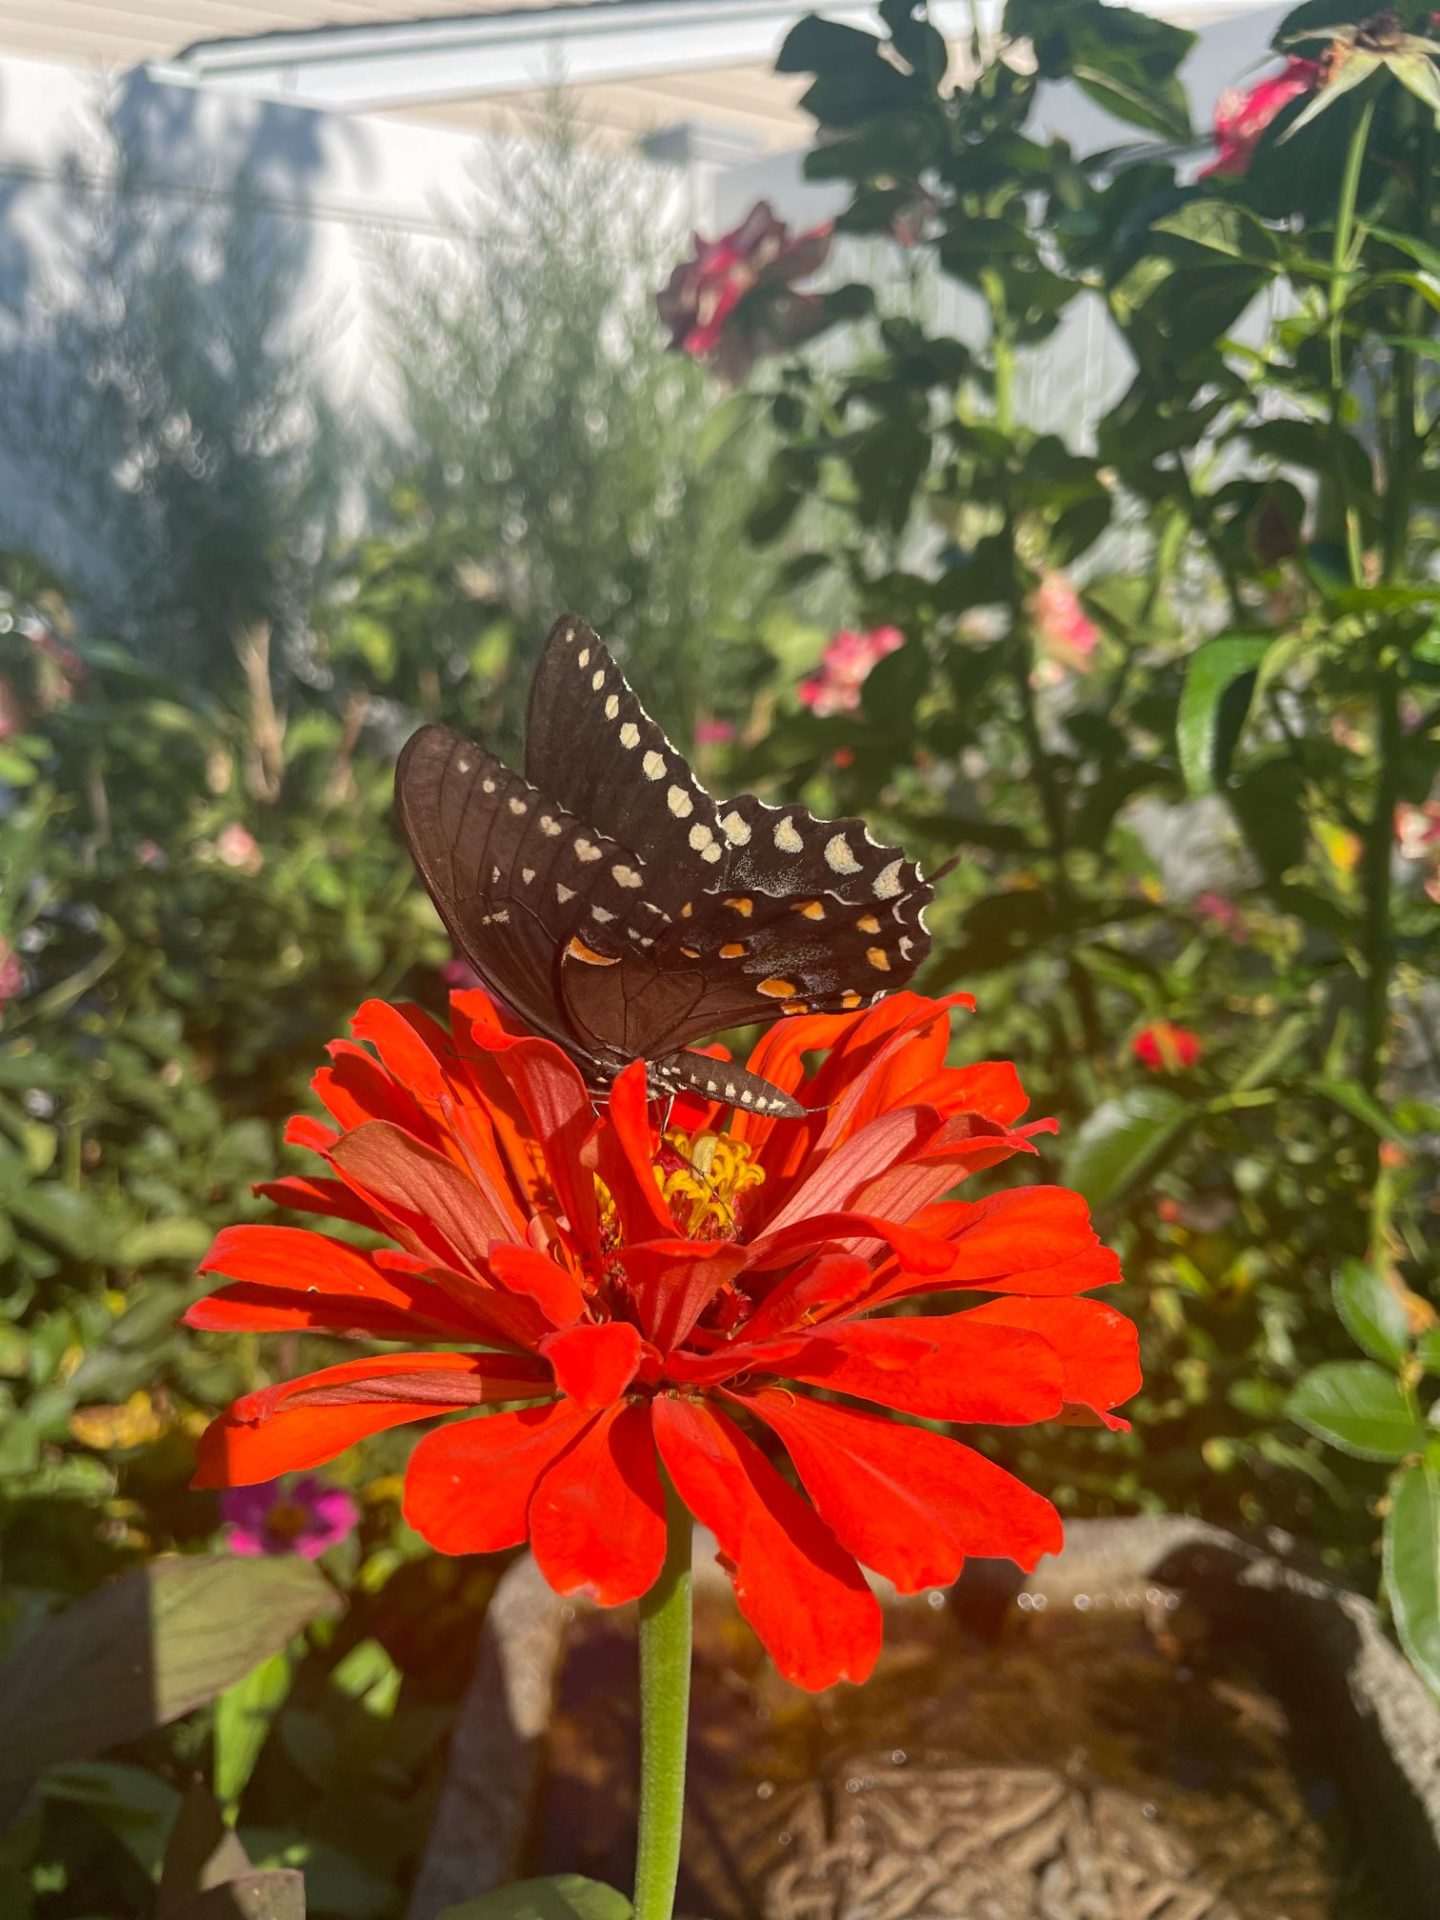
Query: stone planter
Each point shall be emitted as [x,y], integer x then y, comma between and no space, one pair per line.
[864,1849]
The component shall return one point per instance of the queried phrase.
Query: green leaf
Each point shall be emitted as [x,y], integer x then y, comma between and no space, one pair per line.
[1214,706]
[563,1896]
[1358,1408]
[145,1649]
[1373,1312]
[1123,1141]
[1363,1106]
[1427,1349]
[243,1716]
[1221,226]
[1412,1566]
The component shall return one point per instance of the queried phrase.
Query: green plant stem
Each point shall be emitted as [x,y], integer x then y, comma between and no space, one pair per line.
[1339,269]
[664,1719]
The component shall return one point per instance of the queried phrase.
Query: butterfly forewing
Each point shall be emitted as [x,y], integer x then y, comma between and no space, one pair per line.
[591,745]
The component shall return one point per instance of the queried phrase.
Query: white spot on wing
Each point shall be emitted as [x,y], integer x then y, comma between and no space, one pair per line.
[562,894]
[839,856]
[527,874]
[701,838]
[787,836]
[597,680]
[629,735]
[582,659]
[602,914]
[887,883]
[654,765]
[679,803]
[625,877]
[517,805]
[586,849]
[612,706]
[737,831]
[550,826]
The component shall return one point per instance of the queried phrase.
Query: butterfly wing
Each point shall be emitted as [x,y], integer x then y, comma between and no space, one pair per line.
[518,880]
[591,745]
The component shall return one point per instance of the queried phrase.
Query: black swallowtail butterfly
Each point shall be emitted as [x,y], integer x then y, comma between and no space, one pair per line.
[622,912]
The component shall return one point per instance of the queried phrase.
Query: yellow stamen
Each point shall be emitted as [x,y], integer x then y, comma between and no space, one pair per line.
[702,1193]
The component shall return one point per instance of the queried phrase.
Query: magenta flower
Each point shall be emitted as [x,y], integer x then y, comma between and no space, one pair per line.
[714,733]
[239,848]
[1241,117]
[306,1517]
[1221,915]
[845,665]
[12,714]
[12,974]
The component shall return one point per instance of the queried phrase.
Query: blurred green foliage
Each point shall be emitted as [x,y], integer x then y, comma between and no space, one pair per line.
[1169,682]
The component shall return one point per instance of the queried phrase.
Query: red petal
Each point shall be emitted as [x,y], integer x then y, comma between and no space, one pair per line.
[801,1592]
[1031,1240]
[432,1197]
[623,1151]
[468,1486]
[330,1197]
[909,1503]
[521,1270]
[302,1130]
[946,1368]
[408,1042]
[306,1421]
[991,1088]
[672,1282]
[1099,1348]
[837,1280]
[955,1149]
[835,1178]
[291,1277]
[594,1365]
[918,1253]
[597,1517]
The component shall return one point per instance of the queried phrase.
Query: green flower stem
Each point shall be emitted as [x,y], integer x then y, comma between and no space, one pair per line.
[664,1720]
[1339,273]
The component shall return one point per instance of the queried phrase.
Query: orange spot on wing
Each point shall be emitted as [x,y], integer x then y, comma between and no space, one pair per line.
[812,909]
[577,950]
[878,958]
[867,923]
[742,904]
[778,989]
[732,949]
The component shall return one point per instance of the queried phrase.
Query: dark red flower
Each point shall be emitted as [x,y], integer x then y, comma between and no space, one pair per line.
[1242,116]
[1165,1048]
[680,1302]
[735,300]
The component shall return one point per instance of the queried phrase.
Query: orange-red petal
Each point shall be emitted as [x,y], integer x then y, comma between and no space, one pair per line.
[947,1367]
[468,1486]
[799,1589]
[306,1421]
[597,1516]
[291,1277]
[909,1503]
[1099,1349]
[595,1364]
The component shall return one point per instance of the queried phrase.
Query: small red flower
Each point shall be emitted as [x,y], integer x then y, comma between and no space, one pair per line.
[680,1302]
[1242,116]
[735,300]
[845,665]
[1165,1048]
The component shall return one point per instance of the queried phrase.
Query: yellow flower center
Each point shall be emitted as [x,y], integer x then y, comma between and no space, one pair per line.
[702,1192]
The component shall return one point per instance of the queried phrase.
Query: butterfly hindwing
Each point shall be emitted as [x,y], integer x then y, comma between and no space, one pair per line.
[591,745]
[515,877]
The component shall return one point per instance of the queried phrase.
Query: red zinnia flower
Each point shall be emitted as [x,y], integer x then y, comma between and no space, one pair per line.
[680,1302]
[1241,117]
[1164,1047]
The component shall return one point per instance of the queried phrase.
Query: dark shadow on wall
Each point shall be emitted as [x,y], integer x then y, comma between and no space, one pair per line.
[167,443]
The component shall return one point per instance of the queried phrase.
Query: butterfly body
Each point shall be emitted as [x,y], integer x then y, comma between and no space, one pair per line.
[622,911]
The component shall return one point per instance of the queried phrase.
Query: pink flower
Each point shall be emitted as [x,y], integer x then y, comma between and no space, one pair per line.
[307,1517]
[12,974]
[1221,915]
[714,733]
[237,847]
[1062,626]
[1241,117]
[1417,838]
[845,665]
[755,264]
[12,714]
[1162,1047]
[148,854]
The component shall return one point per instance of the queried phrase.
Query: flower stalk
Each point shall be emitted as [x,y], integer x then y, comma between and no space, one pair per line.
[665,1635]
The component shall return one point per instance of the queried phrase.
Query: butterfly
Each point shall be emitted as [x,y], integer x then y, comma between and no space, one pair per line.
[622,912]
